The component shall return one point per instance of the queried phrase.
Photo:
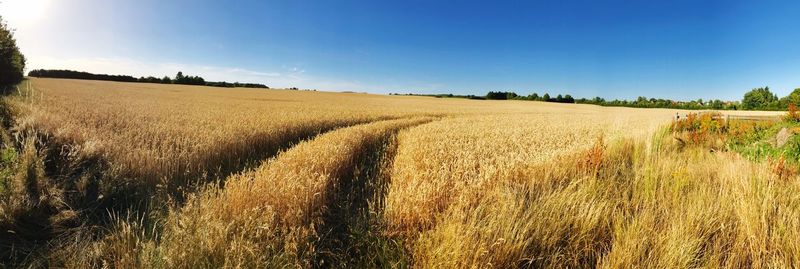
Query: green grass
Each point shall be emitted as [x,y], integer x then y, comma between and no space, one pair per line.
[758,145]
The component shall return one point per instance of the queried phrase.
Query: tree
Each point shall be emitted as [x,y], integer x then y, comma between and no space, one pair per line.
[534,97]
[12,62]
[546,97]
[188,80]
[492,95]
[759,98]
[568,99]
[717,104]
[496,96]
[179,78]
[792,98]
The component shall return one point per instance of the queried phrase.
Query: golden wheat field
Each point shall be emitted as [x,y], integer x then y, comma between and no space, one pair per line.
[182,133]
[201,177]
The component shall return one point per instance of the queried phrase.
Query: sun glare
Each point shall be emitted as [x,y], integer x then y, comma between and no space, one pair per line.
[23,12]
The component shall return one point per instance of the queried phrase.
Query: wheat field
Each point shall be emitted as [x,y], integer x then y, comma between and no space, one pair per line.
[200,177]
[174,134]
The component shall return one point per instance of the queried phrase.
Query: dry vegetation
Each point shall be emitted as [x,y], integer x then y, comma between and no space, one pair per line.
[196,177]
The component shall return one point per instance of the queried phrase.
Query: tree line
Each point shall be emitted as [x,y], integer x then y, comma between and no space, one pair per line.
[644,102]
[500,95]
[640,102]
[756,99]
[179,78]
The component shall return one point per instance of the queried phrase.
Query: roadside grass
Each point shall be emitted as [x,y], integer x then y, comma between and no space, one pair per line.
[755,140]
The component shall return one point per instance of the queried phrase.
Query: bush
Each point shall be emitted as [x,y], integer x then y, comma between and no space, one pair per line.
[700,128]
[12,62]
[792,115]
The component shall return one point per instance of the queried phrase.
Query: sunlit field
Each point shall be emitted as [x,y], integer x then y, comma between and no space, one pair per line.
[397,134]
[113,174]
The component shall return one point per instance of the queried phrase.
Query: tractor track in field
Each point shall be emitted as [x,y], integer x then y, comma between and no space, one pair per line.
[180,188]
[352,233]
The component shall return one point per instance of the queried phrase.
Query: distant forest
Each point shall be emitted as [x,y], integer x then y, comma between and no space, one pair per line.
[179,78]
[756,99]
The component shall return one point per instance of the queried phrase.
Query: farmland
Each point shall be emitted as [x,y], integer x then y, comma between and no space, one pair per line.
[189,176]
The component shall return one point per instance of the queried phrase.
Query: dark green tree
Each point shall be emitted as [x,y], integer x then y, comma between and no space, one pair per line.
[492,95]
[179,78]
[511,95]
[12,62]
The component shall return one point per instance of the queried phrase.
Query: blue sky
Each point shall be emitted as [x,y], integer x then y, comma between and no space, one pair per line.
[615,49]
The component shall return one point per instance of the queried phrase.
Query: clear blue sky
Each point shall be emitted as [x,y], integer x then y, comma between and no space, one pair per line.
[615,49]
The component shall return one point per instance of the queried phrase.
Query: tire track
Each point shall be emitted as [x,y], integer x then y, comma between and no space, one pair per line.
[307,207]
[352,235]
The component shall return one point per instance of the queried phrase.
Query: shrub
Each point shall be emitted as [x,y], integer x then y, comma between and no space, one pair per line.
[700,128]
